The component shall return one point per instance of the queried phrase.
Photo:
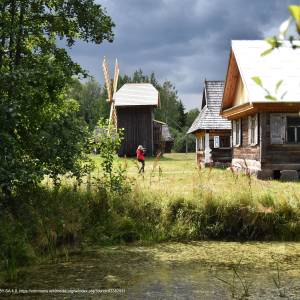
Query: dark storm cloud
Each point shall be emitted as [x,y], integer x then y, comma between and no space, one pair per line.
[183,41]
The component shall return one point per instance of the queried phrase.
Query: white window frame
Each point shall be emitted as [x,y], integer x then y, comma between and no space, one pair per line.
[253,130]
[236,135]
[216,142]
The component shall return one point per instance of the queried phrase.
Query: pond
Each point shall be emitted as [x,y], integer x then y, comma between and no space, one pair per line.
[195,270]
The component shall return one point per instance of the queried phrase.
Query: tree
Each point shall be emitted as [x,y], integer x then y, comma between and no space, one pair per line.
[92,100]
[39,131]
[168,111]
[182,115]
[191,116]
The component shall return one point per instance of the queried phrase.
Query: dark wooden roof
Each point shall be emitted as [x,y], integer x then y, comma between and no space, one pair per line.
[209,116]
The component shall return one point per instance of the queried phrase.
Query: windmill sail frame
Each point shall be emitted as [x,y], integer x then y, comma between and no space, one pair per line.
[111,89]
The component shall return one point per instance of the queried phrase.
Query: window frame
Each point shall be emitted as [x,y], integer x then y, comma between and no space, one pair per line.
[296,129]
[253,130]
[237,133]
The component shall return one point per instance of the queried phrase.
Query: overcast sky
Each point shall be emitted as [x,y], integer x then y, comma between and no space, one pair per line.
[184,41]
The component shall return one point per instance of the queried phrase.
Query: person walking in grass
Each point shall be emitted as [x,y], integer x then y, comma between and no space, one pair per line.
[141,158]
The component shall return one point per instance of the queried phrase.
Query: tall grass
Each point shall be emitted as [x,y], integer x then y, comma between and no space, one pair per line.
[48,221]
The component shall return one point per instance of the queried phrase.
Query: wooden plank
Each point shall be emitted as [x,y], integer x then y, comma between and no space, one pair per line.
[137,123]
[281,166]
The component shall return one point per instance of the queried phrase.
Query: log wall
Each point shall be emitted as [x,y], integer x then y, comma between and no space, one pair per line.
[284,155]
[246,151]
[138,129]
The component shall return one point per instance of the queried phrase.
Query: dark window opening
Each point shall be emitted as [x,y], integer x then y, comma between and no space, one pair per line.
[211,142]
[276,174]
[224,141]
[293,130]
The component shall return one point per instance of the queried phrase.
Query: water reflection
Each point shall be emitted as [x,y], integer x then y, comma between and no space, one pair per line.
[173,271]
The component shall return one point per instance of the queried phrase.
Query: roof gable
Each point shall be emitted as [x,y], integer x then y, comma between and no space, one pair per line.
[131,94]
[209,116]
[247,62]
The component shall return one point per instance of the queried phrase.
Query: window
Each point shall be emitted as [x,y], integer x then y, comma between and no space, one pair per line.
[216,141]
[253,130]
[293,130]
[236,132]
[225,142]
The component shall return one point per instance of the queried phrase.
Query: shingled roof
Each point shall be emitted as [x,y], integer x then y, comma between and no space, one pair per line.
[131,94]
[209,116]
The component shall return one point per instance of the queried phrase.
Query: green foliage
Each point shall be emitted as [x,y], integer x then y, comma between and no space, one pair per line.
[257,80]
[92,100]
[169,106]
[108,141]
[191,116]
[269,95]
[182,115]
[39,131]
[14,249]
[183,142]
[278,41]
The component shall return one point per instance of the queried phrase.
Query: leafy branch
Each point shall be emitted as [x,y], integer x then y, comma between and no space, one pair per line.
[279,41]
[269,95]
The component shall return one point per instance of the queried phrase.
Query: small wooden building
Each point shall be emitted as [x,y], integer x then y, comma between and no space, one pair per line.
[213,132]
[163,141]
[134,104]
[264,114]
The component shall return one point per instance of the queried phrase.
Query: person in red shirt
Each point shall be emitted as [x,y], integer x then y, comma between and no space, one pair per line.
[141,158]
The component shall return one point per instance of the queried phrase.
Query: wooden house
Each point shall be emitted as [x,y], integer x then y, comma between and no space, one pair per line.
[262,100]
[134,104]
[163,141]
[212,132]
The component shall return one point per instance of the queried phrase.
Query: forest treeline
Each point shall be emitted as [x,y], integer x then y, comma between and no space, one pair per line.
[92,96]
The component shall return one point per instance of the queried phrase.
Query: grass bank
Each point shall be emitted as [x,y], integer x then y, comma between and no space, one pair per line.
[173,201]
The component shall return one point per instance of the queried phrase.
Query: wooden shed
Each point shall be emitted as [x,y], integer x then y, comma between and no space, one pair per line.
[163,141]
[134,104]
[265,119]
[212,132]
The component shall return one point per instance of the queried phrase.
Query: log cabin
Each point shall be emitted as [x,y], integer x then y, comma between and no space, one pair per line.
[262,100]
[212,132]
[135,103]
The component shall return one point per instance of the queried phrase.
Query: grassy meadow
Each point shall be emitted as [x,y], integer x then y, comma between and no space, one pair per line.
[177,174]
[173,201]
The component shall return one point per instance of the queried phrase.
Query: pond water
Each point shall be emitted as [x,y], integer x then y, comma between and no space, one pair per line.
[197,270]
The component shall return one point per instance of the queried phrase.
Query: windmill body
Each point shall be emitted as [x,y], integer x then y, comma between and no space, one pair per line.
[134,103]
[132,109]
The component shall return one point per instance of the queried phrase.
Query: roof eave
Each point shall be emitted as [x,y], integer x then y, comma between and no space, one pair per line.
[262,106]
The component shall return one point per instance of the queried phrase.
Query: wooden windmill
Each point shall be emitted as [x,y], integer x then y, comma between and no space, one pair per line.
[111,89]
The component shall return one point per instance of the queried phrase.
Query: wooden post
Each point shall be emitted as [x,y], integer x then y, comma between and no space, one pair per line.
[196,149]
[207,152]
[186,145]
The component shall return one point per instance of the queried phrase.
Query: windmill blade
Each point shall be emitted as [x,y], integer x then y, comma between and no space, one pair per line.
[115,120]
[116,76]
[107,79]
[113,115]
